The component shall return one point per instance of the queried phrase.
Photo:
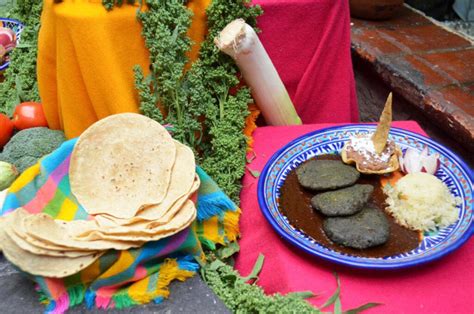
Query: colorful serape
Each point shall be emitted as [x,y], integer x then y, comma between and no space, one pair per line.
[120,278]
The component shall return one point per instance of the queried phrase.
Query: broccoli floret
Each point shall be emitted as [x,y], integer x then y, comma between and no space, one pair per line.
[26,147]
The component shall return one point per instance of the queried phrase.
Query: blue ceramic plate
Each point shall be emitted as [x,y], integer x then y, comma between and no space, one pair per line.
[453,172]
[17,27]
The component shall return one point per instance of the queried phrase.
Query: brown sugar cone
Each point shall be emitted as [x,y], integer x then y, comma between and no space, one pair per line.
[381,133]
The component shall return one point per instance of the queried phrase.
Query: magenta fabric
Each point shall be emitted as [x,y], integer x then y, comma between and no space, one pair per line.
[309,44]
[443,286]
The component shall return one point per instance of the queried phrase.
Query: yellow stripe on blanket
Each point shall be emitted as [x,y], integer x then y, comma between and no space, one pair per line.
[139,291]
[68,210]
[231,225]
[211,230]
[169,271]
[91,272]
[124,261]
[25,178]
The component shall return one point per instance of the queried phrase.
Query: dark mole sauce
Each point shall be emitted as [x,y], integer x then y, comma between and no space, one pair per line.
[295,204]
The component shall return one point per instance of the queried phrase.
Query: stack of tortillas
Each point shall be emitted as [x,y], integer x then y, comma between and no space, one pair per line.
[133,180]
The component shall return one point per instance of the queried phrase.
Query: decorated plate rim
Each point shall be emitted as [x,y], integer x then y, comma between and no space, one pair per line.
[20,26]
[302,244]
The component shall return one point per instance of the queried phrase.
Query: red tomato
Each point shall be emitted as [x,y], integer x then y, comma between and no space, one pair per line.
[6,130]
[29,115]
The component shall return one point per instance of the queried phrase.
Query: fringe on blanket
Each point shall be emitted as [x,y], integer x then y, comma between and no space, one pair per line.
[137,293]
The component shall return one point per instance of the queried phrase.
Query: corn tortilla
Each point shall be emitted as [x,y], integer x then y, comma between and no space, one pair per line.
[45,228]
[380,136]
[29,247]
[41,265]
[162,216]
[183,218]
[121,164]
[17,226]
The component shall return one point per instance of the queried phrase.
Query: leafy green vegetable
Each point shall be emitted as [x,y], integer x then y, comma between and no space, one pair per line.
[27,146]
[243,297]
[254,173]
[8,174]
[20,82]
[332,299]
[225,159]
[362,308]
[256,269]
[198,102]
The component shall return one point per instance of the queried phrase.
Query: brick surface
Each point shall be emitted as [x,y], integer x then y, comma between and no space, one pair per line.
[424,72]
[405,17]
[371,45]
[431,67]
[459,97]
[423,38]
[458,64]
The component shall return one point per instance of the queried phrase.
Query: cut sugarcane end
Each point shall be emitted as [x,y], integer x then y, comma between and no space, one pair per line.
[240,41]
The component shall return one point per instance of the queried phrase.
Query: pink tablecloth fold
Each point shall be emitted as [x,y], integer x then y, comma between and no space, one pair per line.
[309,43]
[443,286]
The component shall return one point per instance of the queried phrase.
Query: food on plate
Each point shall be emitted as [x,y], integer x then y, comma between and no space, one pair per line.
[26,147]
[343,202]
[413,161]
[6,130]
[366,229]
[7,43]
[421,201]
[360,150]
[8,174]
[294,202]
[320,175]
[29,115]
[374,154]
[121,164]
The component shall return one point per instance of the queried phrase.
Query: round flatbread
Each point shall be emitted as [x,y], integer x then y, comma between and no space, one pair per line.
[41,265]
[183,218]
[121,164]
[13,228]
[17,225]
[161,217]
[45,228]
[182,180]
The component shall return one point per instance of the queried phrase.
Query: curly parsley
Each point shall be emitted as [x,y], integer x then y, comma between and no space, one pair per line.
[197,102]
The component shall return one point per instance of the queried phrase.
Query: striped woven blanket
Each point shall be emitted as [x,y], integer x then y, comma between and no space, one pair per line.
[120,278]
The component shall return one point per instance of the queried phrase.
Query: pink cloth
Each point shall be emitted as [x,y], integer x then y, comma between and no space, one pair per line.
[309,44]
[443,286]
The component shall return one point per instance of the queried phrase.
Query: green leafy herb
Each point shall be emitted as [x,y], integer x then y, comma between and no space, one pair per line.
[362,308]
[256,269]
[198,102]
[335,296]
[242,297]
[251,157]
[254,173]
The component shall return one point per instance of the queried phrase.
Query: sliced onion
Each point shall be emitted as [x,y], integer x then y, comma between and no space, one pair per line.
[413,161]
